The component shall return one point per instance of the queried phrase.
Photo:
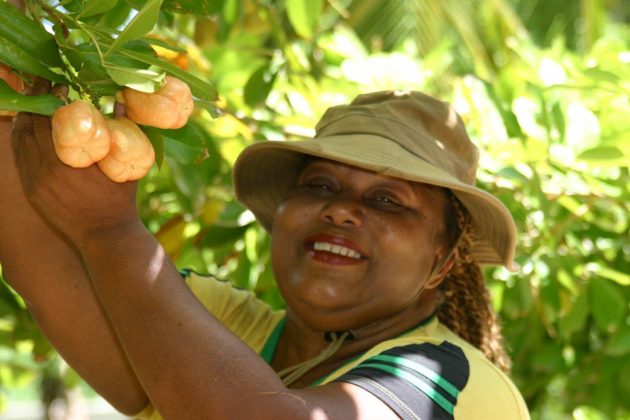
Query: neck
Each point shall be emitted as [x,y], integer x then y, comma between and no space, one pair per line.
[300,342]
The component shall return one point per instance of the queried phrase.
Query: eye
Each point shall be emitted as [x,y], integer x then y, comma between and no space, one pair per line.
[317,184]
[386,201]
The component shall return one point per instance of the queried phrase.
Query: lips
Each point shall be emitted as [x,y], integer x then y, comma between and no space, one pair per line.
[333,249]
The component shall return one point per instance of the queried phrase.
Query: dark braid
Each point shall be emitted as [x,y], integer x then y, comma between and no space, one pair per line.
[465,305]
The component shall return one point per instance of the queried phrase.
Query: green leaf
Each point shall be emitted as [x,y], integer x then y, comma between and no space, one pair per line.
[163,44]
[186,144]
[619,344]
[624,377]
[157,141]
[116,16]
[585,412]
[599,75]
[29,36]
[96,7]
[135,4]
[304,16]
[218,235]
[259,85]
[607,304]
[230,13]
[11,100]
[196,7]
[575,318]
[17,58]
[138,79]
[198,87]
[609,273]
[601,153]
[140,25]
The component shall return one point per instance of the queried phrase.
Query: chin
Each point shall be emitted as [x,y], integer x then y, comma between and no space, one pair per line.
[330,316]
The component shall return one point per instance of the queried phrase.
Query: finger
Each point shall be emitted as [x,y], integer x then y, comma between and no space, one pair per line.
[26,153]
[22,131]
[60,91]
[41,87]
[119,109]
[42,132]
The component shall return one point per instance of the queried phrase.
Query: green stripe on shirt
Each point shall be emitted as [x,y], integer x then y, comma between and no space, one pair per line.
[422,386]
[422,370]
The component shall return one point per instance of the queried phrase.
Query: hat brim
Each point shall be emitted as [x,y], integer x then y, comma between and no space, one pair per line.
[265,172]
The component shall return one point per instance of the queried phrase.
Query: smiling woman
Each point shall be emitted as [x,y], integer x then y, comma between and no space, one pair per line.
[377,233]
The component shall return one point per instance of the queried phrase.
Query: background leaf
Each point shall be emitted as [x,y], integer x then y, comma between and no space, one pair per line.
[304,16]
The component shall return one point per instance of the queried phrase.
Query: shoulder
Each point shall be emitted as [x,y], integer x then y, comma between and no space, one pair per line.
[251,319]
[438,376]
[421,380]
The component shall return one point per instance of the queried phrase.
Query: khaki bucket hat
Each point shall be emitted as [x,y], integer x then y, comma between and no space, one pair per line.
[407,135]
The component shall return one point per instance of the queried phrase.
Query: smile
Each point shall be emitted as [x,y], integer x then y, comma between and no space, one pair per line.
[336,249]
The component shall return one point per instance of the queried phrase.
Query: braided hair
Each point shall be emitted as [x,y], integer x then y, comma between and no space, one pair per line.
[464,304]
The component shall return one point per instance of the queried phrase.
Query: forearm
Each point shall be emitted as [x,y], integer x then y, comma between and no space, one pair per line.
[65,307]
[48,273]
[186,360]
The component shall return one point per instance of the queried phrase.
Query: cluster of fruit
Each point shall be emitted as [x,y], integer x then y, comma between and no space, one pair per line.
[83,136]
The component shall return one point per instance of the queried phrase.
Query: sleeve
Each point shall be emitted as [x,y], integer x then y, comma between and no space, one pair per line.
[239,310]
[417,381]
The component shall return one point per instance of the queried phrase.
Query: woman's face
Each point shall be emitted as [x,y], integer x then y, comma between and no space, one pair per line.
[351,247]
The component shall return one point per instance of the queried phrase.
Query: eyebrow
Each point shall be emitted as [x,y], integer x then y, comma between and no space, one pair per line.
[416,189]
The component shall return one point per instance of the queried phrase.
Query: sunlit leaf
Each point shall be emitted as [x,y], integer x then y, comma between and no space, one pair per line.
[96,7]
[609,273]
[304,15]
[138,79]
[141,24]
[198,87]
[601,153]
[163,44]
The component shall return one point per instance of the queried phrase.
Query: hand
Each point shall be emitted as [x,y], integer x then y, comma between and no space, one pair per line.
[78,202]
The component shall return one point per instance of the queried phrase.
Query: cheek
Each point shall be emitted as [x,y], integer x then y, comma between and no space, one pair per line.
[289,221]
[410,250]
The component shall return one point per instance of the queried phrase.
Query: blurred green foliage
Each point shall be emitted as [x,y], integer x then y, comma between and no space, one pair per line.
[544,89]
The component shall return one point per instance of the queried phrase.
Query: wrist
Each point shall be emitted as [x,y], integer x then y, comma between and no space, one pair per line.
[117,233]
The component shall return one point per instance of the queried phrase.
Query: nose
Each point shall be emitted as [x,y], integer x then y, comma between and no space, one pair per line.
[343,211]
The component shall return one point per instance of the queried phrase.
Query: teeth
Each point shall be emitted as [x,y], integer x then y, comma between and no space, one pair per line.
[336,249]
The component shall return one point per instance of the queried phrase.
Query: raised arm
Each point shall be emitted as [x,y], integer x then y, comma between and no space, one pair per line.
[47,271]
[190,365]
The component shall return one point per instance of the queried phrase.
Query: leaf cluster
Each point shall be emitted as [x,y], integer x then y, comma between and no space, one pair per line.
[96,47]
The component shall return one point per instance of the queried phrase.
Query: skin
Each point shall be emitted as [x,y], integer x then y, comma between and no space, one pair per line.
[394,223]
[123,292]
[57,289]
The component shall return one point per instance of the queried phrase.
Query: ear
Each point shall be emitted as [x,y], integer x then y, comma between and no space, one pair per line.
[438,276]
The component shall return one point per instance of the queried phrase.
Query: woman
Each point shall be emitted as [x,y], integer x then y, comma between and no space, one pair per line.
[376,233]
